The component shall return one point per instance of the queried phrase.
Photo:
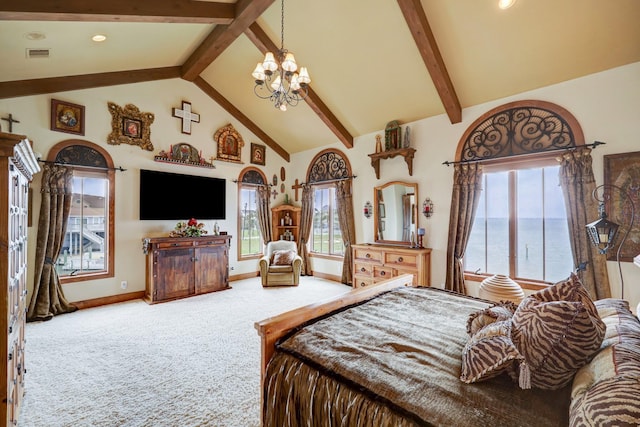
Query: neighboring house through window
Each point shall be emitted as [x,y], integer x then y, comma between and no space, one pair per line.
[87,251]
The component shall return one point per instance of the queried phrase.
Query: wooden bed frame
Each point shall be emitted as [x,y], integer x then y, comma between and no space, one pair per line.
[271,329]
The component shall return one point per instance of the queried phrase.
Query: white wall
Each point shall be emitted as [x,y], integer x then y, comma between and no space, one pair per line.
[606,105]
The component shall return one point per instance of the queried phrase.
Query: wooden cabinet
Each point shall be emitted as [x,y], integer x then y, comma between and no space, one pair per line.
[179,267]
[373,263]
[17,166]
[285,222]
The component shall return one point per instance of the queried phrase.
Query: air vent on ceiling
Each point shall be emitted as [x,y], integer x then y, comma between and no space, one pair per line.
[37,53]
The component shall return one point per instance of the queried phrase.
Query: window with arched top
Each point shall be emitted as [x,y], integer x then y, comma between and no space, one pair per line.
[88,250]
[325,169]
[250,242]
[520,228]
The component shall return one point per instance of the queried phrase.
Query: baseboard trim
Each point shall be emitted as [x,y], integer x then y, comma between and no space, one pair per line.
[112,299]
[244,276]
[327,276]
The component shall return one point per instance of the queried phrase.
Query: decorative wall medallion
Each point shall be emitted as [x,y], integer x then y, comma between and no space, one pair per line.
[282,174]
[274,180]
[130,126]
[282,187]
[230,144]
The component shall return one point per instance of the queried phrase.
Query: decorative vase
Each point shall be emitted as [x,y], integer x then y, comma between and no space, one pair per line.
[501,288]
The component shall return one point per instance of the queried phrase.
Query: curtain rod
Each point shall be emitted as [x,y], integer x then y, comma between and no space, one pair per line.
[251,184]
[593,145]
[119,168]
[329,180]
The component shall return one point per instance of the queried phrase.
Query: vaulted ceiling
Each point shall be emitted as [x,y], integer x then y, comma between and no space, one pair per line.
[370,61]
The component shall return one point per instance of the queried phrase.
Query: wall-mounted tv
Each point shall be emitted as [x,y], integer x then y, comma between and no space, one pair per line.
[175,196]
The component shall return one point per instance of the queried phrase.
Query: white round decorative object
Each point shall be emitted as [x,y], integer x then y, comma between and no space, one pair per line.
[501,288]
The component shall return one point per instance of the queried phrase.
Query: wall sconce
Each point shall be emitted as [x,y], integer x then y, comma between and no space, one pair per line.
[603,232]
[368,208]
[427,208]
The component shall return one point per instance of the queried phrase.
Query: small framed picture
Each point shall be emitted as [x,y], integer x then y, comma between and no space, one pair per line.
[67,117]
[258,153]
[131,128]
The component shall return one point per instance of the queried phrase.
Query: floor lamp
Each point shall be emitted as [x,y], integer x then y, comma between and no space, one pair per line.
[603,232]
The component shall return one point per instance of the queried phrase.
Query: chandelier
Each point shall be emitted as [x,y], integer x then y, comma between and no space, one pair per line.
[277,79]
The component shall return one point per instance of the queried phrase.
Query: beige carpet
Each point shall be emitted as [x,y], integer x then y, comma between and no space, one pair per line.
[192,362]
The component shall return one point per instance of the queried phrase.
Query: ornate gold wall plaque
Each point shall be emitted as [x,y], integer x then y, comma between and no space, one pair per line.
[130,126]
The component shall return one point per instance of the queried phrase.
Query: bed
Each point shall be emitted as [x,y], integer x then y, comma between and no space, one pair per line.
[390,355]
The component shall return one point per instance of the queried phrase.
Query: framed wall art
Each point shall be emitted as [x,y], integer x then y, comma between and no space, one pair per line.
[230,144]
[67,117]
[258,153]
[623,171]
[130,126]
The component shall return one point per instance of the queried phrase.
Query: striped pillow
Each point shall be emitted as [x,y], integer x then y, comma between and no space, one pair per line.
[488,353]
[497,312]
[557,331]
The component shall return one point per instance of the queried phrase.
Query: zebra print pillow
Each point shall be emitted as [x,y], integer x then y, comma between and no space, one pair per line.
[497,312]
[488,353]
[557,331]
[606,391]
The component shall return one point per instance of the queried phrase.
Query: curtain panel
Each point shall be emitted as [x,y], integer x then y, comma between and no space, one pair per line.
[263,212]
[467,186]
[344,198]
[306,222]
[48,299]
[578,182]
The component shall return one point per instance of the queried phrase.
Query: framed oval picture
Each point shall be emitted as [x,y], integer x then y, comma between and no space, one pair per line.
[282,187]
[274,180]
[282,174]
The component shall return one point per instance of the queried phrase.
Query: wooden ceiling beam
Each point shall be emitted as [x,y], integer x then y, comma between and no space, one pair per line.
[425,41]
[231,109]
[176,11]
[246,12]
[260,39]
[17,88]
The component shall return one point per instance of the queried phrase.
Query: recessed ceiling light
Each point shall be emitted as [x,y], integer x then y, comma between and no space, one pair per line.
[506,4]
[99,38]
[35,35]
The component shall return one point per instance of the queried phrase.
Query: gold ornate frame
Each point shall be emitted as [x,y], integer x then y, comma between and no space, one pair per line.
[130,126]
[230,144]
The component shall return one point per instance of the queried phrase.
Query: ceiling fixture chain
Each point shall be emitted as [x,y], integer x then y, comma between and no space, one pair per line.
[276,77]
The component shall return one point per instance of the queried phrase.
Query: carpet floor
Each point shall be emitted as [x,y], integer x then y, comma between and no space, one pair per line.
[191,362]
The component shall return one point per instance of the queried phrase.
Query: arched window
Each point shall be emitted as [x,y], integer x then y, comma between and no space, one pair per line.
[88,249]
[325,169]
[250,242]
[520,227]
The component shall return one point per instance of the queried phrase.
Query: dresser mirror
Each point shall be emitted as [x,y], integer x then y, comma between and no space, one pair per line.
[396,213]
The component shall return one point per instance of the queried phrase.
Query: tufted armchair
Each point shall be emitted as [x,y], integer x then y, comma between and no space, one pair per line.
[281,264]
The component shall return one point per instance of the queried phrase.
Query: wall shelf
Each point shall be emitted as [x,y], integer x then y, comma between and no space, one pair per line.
[407,153]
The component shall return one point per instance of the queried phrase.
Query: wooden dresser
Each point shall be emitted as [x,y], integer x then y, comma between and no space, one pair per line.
[179,267]
[17,167]
[373,263]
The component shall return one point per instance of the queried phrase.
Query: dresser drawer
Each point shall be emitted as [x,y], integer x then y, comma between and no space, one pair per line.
[382,273]
[367,254]
[363,269]
[361,282]
[400,259]
[182,244]
[412,271]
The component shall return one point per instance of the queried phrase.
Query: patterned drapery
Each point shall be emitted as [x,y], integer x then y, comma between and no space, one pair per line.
[48,298]
[344,199]
[577,182]
[467,186]
[306,222]
[263,212]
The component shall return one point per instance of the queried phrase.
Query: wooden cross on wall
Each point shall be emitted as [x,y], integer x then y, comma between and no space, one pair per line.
[296,187]
[187,116]
[11,121]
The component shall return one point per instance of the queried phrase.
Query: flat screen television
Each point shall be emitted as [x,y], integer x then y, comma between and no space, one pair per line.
[175,196]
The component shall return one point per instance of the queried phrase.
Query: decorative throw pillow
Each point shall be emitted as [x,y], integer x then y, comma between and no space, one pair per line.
[489,352]
[557,330]
[496,313]
[283,257]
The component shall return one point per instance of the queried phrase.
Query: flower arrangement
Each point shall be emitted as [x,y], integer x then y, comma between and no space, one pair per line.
[191,228]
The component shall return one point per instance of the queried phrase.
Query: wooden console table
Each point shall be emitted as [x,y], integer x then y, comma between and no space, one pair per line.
[407,153]
[179,267]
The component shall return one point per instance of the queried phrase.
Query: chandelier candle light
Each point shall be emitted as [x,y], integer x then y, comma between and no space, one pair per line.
[278,77]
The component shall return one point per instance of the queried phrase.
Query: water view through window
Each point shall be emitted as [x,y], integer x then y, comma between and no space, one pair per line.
[534,199]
